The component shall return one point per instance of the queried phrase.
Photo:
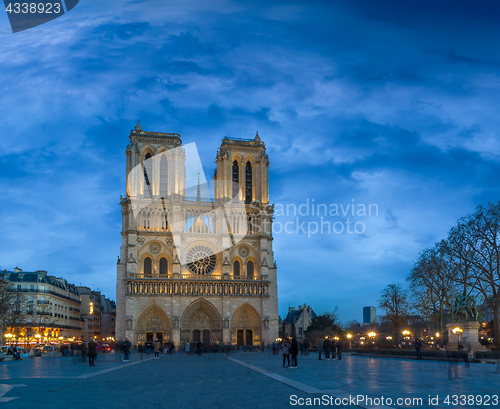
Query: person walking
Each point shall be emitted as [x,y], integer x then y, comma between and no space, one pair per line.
[186,347]
[286,353]
[92,352]
[320,348]
[326,347]
[294,351]
[126,349]
[334,349]
[157,347]
[306,346]
[418,348]
[339,349]
[199,347]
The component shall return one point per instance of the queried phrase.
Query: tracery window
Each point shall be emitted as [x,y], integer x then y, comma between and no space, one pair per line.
[250,269]
[248,183]
[147,266]
[201,260]
[163,266]
[148,171]
[163,176]
[236,178]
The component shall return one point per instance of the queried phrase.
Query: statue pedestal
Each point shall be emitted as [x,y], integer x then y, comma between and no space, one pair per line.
[468,337]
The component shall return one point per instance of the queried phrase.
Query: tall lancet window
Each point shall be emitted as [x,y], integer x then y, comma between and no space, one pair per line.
[163,266]
[236,178]
[250,270]
[163,176]
[236,269]
[148,175]
[147,266]
[248,183]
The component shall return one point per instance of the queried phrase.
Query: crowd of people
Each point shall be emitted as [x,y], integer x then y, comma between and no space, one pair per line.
[329,347]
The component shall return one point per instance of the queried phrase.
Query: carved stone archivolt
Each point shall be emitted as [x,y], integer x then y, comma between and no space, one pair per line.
[153,319]
[246,317]
[202,316]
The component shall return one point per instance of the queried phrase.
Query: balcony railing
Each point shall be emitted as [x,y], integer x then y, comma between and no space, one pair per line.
[42,302]
[29,290]
[196,277]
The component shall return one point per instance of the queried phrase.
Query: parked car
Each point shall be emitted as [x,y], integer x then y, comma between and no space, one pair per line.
[36,351]
[106,348]
[4,349]
[49,348]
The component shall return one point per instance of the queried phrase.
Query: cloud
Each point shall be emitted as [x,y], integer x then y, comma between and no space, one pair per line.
[392,104]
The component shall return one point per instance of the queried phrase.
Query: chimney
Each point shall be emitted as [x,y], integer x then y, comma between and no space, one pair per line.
[291,308]
[18,270]
[41,272]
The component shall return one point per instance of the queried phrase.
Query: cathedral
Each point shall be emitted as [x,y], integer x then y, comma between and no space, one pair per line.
[193,266]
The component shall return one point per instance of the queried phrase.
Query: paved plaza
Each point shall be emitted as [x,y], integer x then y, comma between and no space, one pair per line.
[238,380]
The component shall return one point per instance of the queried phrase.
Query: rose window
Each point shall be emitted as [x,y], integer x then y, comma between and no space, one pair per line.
[201,260]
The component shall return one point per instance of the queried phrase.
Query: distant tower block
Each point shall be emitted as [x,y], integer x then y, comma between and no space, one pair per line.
[369,315]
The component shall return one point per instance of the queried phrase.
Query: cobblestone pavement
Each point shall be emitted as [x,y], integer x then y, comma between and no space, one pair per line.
[237,380]
[390,378]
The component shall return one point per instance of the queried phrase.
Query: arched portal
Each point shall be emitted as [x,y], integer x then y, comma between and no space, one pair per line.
[246,328]
[201,322]
[153,323]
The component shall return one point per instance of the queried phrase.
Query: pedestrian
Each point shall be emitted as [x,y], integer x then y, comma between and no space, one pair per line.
[307,346]
[186,347]
[294,351]
[85,350]
[92,352]
[140,349]
[165,347]
[199,347]
[99,348]
[320,348]
[326,347]
[157,346]
[286,353]
[418,347]
[126,349]
[339,350]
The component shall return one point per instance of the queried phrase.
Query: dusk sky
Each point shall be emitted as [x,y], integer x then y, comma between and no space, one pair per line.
[388,103]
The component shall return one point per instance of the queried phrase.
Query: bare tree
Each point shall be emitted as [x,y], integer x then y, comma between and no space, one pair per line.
[432,285]
[7,302]
[394,301]
[474,247]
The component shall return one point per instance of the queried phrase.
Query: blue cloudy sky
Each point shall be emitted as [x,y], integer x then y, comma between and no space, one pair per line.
[393,103]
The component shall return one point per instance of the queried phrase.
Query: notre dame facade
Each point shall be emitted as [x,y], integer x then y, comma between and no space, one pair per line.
[192,268]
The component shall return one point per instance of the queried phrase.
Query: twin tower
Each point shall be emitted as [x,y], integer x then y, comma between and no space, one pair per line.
[196,261]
